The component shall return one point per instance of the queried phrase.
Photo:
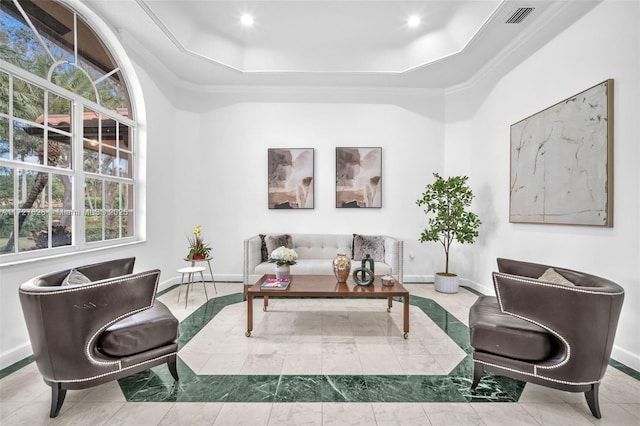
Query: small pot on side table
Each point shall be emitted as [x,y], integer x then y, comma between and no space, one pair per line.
[446,283]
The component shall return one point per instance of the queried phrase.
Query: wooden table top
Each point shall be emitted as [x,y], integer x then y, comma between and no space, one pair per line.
[327,286]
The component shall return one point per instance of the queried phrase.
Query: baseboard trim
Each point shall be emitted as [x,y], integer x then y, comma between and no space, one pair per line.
[12,356]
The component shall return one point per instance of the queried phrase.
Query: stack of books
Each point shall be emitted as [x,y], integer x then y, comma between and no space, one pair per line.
[275,284]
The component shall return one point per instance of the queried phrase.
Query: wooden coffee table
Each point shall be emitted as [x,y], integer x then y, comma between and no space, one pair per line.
[324,286]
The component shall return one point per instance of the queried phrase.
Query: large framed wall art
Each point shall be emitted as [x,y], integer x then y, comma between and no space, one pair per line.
[290,178]
[562,162]
[358,177]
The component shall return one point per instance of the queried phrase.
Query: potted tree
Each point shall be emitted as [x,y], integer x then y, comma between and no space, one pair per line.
[446,204]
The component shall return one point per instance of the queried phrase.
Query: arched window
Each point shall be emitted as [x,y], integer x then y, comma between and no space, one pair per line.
[67,135]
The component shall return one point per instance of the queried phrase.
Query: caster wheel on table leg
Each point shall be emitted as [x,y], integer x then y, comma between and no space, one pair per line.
[264,309]
[406,335]
[248,334]
[388,309]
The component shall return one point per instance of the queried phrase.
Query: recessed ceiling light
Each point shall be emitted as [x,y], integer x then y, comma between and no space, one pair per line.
[246,20]
[414,21]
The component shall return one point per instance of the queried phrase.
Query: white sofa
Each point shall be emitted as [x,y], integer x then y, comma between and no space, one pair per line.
[316,252]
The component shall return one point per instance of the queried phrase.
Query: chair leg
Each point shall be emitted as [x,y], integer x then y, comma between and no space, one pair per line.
[171,363]
[592,400]
[477,374]
[57,398]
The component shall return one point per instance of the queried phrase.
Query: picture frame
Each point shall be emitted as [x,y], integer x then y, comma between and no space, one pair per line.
[358,177]
[290,179]
[562,162]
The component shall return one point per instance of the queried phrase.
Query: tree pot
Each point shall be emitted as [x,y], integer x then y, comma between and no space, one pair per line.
[446,283]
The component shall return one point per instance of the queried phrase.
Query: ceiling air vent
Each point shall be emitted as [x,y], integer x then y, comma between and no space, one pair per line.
[519,15]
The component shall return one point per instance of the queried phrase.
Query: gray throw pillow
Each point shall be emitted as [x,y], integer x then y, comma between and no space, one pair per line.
[263,248]
[552,276]
[75,277]
[372,245]
[274,241]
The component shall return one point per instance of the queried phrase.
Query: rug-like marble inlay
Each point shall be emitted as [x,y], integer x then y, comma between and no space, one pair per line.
[320,350]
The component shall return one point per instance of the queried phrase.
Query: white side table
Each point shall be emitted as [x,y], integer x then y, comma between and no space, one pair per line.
[190,272]
[207,259]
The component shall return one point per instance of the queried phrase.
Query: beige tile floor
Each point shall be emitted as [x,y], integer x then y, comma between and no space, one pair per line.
[329,339]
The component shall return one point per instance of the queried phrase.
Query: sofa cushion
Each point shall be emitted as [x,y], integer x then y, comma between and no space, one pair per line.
[317,267]
[274,241]
[368,244]
[140,332]
[498,333]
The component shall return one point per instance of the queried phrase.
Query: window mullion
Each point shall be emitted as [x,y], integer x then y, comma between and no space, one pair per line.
[77,155]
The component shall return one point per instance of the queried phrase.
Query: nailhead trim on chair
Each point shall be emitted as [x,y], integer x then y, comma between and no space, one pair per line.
[86,379]
[555,333]
[87,348]
[535,374]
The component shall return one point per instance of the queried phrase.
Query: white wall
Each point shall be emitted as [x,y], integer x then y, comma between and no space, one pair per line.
[604,44]
[239,128]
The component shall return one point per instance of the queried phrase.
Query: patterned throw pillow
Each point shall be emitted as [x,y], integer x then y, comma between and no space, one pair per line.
[552,276]
[74,277]
[274,241]
[372,245]
[263,248]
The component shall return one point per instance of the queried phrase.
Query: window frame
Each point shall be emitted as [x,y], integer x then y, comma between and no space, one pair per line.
[78,104]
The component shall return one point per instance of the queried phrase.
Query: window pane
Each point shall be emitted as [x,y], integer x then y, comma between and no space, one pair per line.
[93,227]
[28,100]
[6,208]
[90,156]
[111,225]
[4,95]
[126,223]
[59,112]
[26,146]
[124,168]
[4,138]
[32,189]
[71,78]
[108,159]
[59,154]
[93,194]
[22,48]
[34,234]
[6,231]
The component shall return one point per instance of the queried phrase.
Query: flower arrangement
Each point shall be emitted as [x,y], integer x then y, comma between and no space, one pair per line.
[283,256]
[197,247]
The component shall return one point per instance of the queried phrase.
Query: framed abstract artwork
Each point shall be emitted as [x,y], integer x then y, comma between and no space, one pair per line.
[358,177]
[562,162]
[290,178]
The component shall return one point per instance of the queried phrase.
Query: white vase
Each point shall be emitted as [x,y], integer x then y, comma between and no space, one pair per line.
[283,271]
[446,283]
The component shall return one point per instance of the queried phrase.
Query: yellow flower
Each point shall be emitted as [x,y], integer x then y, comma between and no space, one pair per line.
[196,230]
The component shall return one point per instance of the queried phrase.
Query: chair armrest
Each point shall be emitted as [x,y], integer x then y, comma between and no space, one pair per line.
[584,319]
[394,256]
[64,323]
[252,257]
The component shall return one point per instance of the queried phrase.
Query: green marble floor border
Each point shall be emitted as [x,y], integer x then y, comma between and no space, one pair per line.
[156,384]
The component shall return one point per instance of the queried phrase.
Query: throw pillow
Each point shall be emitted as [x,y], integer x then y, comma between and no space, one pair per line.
[75,277]
[275,241]
[552,276]
[372,245]
[264,251]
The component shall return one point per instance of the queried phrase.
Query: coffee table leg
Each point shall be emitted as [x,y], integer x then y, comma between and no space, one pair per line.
[389,303]
[249,315]
[406,316]
[266,302]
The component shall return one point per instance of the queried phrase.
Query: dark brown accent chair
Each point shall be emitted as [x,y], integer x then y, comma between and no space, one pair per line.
[550,334]
[84,335]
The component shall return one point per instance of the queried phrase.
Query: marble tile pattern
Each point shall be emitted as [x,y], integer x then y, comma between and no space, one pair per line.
[318,362]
